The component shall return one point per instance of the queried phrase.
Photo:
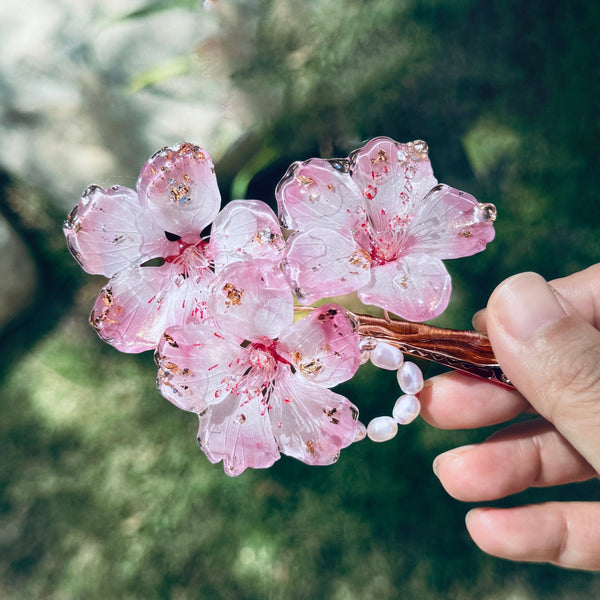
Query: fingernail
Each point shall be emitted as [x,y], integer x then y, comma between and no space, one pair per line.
[524,304]
[450,454]
[479,320]
[432,380]
[478,513]
[469,516]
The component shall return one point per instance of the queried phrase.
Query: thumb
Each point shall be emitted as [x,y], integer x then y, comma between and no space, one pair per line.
[552,355]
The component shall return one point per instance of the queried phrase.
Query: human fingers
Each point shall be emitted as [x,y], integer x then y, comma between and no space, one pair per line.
[581,290]
[528,454]
[479,320]
[566,534]
[552,355]
[457,401]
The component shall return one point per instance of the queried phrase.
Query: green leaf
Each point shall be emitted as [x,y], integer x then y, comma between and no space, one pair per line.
[259,161]
[159,73]
[159,6]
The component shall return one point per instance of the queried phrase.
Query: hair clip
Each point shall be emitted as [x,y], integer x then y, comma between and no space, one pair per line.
[219,311]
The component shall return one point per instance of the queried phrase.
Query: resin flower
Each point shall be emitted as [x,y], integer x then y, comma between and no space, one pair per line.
[148,242]
[258,381]
[378,223]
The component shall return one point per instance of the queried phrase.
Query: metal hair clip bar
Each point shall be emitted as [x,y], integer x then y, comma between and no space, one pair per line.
[466,351]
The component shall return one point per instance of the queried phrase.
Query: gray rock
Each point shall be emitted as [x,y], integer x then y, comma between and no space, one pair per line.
[74,105]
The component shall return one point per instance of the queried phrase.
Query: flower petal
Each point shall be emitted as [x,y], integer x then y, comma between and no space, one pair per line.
[310,423]
[139,303]
[416,287]
[179,188]
[451,224]
[317,192]
[252,300]
[238,431]
[393,179]
[246,229]
[198,366]
[324,262]
[323,347]
[108,231]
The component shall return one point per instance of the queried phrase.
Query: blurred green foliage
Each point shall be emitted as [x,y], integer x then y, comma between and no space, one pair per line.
[103,491]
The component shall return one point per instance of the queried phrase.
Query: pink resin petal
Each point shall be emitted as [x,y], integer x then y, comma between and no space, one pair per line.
[108,231]
[252,300]
[415,287]
[238,433]
[323,346]
[179,188]
[186,296]
[310,423]
[323,263]
[127,312]
[317,192]
[246,229]
[199,366]
[139,303]
[392,178]
[451,224]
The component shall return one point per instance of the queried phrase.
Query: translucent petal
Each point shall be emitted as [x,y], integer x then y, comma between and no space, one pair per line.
[317,192]
[393,179]
[139,303]
[108,231]
[415,287]
[323,346]
[178,187]
[323,263]
[310,423]
[252,300]
[238,433]
[246,229]
[451,224]
[198,365]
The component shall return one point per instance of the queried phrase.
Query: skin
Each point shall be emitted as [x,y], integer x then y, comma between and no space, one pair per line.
[546,338]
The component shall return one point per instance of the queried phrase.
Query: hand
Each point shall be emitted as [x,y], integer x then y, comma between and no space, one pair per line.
[547,340]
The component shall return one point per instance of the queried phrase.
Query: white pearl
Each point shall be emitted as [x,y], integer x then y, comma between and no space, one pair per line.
[361,432]
[386,356]
[410,378]
[365,355]
[382,429]
[406,409]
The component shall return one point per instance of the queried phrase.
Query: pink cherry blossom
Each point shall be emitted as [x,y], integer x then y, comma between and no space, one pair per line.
[378,223]
[261,395]
[116,231]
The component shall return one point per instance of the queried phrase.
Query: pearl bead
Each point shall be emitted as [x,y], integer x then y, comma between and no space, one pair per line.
[410,378]
[406,409]
[361,432]
[382,429]
[386,356]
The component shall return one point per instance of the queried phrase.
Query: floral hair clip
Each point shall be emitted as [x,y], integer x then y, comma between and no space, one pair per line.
[219,311]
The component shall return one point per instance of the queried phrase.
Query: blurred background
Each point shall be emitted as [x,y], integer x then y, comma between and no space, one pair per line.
[103,491]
